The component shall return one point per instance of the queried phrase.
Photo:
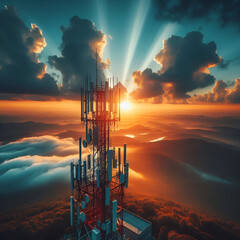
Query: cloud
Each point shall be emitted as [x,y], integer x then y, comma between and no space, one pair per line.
[23,76]
[28,172]
[225,64]
[224,12]
[20,70]
[79,43]
[35,162]
[44,146]
[185,67]
[149,84]
[233,95]
[220,93]
[35,40]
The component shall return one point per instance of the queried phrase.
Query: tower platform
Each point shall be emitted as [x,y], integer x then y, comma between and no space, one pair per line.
[135,227]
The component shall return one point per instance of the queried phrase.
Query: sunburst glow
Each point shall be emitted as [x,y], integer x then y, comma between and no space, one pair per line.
[125,105]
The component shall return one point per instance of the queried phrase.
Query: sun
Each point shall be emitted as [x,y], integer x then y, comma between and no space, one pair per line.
[125,105]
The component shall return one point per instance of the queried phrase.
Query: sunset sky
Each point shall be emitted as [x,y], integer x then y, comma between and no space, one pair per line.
[165,51]
[180,63]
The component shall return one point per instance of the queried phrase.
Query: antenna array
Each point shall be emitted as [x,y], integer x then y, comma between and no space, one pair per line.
[99,177]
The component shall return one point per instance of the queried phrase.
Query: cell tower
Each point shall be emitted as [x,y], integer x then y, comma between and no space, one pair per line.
[98,179]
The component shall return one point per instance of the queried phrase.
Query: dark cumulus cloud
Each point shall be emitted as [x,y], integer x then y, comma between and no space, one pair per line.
[148,83]
[20,70]
[223,11]
[185,67]
[79,44]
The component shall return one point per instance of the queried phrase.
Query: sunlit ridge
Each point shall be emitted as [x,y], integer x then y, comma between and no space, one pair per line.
[157,140]
[130,136]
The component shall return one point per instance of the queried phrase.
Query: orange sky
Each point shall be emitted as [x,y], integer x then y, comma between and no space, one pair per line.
[59,111]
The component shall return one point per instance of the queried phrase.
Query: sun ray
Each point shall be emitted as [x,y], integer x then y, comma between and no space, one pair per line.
[101,6]
[157,44]
[135,34]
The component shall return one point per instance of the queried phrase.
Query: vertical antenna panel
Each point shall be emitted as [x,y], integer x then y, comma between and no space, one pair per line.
[82,217]
[114,215]
[80,160]
[91,96]
[89,161]
[71,175]
[84,170]
[82,105]
[107,196]
[109,167]
[125,154]
[114,163]
[127,174]
[119,160]
[71,211]
[75,171]
[114,159]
